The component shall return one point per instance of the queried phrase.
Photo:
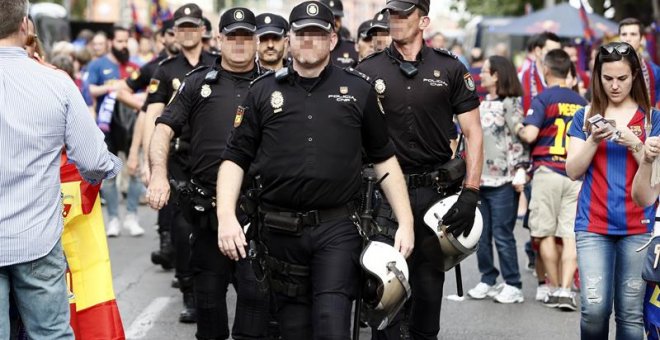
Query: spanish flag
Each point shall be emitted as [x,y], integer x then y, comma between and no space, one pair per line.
[94,312]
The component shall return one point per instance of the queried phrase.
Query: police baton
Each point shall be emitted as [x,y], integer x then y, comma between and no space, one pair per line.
[459,281]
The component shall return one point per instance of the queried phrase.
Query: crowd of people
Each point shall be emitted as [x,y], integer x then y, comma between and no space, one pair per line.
[252,143]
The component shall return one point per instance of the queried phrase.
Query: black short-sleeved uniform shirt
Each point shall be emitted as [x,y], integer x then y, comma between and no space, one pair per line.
[306,137]
[170,73]
[207,102]
[344,54]
[420,110]
[139,79]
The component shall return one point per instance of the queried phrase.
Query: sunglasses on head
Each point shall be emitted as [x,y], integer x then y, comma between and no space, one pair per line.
[621,49]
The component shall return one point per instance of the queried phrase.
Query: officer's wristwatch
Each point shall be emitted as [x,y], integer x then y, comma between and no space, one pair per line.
[637,147]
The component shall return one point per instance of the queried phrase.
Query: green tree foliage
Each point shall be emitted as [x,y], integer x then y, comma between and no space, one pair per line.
[500,7]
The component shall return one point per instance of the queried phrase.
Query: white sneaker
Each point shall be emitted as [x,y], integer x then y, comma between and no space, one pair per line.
[131,223]
[483,290]
[112,229]
[541,292]
[509,294]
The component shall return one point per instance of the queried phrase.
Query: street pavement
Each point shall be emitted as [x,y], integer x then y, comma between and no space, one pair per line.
[149,306]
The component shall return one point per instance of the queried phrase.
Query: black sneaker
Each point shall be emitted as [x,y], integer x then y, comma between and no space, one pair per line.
[551,300]
[567,303]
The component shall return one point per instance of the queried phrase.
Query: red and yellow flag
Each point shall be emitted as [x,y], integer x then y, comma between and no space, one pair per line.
[94,312]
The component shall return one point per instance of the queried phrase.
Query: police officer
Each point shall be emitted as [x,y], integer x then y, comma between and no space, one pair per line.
[188,27]
[363,45]
[379,31]
[206,102]
[137,82]
[344,53]
[304,129]
[421,90]
[272,32]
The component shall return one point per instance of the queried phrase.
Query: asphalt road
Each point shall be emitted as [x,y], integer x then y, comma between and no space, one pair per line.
[149,306]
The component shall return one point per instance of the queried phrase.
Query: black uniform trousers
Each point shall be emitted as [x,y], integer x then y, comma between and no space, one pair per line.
[426,280]
[181,230]
[331,250]
[212,274]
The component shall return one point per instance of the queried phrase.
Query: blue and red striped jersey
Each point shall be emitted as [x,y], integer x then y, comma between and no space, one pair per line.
[552,112]
[605,204]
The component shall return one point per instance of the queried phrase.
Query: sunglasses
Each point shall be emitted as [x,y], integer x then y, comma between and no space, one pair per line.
[621,49]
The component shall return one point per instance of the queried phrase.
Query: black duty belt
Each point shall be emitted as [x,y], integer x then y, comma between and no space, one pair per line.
[315,217]
[424,180]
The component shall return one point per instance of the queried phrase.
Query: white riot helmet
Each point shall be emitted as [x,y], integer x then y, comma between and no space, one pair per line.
[452,250]
[386,287]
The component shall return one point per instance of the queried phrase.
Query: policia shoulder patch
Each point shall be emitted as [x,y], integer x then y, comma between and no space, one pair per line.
[240,111]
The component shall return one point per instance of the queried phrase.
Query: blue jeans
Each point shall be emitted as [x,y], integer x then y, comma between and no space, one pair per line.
[111,195]
[611,274]
[41,295]
[499,208]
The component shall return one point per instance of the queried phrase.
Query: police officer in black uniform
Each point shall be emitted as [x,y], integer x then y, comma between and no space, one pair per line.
[344,53]
[303,130]
[421,90]
[363,45]
[272,32]
[379,31]
[206,102]
[188,27]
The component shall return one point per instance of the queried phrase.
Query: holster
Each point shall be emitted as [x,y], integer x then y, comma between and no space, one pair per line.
[452,173]
[283,223]
[198,205]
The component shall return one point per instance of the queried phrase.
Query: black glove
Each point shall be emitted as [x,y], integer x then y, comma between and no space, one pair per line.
[460,218]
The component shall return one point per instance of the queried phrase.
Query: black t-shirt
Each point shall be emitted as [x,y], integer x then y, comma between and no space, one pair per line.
[344,54]
[305,137]
[207,102]
[420,110]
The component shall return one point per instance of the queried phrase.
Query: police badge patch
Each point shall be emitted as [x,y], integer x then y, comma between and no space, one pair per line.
[469,82]
[176,83]
[153,85]
[277,101]
[206,91]
[239,116]
[379,86]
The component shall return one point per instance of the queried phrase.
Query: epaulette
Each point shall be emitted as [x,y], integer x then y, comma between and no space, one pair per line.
[372,55]
[197,69]
[357,73]
[166,60]
[445,52]
[267,74]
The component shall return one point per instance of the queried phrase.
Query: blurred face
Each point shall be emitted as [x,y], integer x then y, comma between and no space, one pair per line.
[188,35]
[238,47]
[630,34]
[120,41]
[311,46]
[488,80]
[380,40]
[617,80]
[100,45]
[438,41]
[572,53]
[364,47]
[272,48]
[549,46]
[406,28]
[145,45]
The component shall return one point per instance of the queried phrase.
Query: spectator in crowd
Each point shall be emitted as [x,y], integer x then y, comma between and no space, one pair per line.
[631,31]
[103,79]
[32,263]
[554,195]
[438,40]
[581,77]
[64,48]
[145,51]
[84,39]
[64,63]
[476,64]
[609,227]
[99,45]
[532,77]
[504,153]
[458,51]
